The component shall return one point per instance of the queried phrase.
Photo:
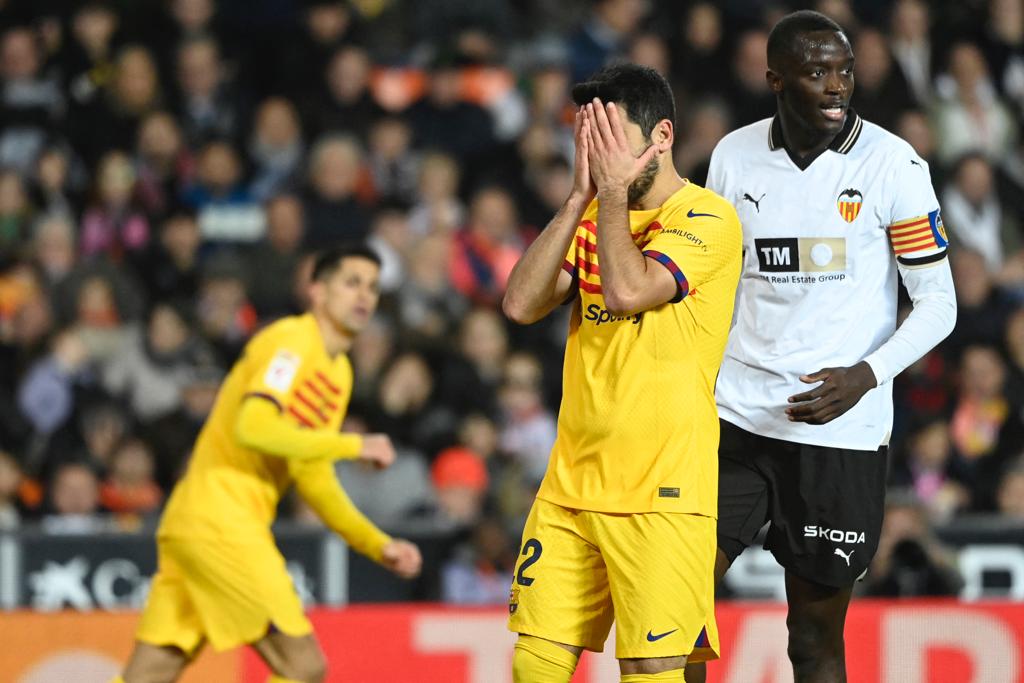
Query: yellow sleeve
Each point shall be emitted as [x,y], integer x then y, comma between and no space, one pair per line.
[697,246]
[262,427]
[317,483]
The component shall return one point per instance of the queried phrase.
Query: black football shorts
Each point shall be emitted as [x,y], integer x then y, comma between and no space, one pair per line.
[824,506]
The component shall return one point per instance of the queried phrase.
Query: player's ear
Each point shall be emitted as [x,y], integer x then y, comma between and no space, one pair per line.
[664,133]
[774,81]
[317,292]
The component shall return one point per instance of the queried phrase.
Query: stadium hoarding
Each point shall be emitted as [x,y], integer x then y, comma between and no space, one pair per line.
[935,641]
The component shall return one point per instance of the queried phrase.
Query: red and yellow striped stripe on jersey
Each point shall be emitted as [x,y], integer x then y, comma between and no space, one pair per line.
[921,233]
[586,267]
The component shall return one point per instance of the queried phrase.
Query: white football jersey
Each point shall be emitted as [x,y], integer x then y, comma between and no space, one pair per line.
[822,247]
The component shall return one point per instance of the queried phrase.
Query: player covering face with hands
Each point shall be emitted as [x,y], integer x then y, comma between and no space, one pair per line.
[276,423]
[623,525]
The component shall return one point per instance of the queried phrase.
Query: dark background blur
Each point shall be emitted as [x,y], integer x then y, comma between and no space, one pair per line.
[166,168]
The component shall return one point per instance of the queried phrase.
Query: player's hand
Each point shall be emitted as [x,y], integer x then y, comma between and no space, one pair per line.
[613,165]
[403,558]
[583,186]
[840,389]
[378,450]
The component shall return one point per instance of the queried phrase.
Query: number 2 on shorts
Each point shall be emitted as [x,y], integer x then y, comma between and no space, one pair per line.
[531,545]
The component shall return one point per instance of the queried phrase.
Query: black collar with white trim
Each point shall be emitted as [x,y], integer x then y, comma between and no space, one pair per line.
[843,142]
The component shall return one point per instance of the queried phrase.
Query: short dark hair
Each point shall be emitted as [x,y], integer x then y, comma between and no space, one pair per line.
[782,40]
[644,92]
[329,260]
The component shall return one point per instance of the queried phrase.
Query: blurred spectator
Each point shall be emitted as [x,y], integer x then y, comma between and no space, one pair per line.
[75,499]
[910,562]
[488,247]
[370,355]
[275,260]
[129,486]
[478,574]
[528,428]
[882,92]
[650,49]
[925,469]
[443,120]
[969,115]
[163,164]
[912,48]
[406,408]
[56,188]
[982,307]
[986,424]
[149,372]
[15,211]
[53,247]
[707,122]
[333,210]
[1004,49]
[87,60]
[113,226]
[111,120]
[428,305]
[226,317]
[169,269]
[207,107]
[460,478]
[326,25]
[975,218]
[437,207]
[275,148]
[471,377]
[391,239]
[30,101]
[748,88]
[700,61]
[604,35]
[227,210]
[46,394]
[346,104]
[394,167]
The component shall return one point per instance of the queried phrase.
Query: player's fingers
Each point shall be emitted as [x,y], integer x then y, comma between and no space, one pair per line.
[595,130]
[818,376]
[615,125]
[648,154]
[577,124]
[600,120]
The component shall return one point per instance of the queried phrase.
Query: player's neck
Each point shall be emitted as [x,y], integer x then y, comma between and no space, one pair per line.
[666,184]
[803,141]
[335,339]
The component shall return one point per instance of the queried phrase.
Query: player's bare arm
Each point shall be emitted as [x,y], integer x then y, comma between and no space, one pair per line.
[538,283]
[630,281]
[839,390]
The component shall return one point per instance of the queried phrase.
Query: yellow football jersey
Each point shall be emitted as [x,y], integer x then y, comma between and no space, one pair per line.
[230,490]
[638,427]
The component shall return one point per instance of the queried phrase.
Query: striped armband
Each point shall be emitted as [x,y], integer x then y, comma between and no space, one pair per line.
[682,285]
[920,241]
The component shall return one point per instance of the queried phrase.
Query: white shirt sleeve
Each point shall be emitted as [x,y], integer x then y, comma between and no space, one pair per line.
[919,246]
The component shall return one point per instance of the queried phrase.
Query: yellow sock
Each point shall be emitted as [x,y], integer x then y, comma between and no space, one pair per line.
[675,675]
[537,660]
[117,679]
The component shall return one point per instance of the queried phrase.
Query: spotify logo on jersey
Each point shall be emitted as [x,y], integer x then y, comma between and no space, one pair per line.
[800,254]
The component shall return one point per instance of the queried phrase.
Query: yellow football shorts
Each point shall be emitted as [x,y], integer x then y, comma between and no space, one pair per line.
[226,593]
[652,573]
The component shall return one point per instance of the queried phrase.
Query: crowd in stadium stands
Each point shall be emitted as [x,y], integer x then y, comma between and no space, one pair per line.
[167,167]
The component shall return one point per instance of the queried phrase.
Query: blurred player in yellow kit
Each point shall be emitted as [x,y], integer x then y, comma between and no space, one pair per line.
[276,422]
[624,525]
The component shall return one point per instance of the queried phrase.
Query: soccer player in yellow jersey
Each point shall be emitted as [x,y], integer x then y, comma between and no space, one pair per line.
[276,422]
[623,526]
